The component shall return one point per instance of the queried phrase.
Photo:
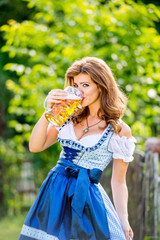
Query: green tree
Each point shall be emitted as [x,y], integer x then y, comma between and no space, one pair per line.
[124,34]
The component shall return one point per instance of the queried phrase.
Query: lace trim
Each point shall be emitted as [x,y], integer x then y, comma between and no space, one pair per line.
[36,233]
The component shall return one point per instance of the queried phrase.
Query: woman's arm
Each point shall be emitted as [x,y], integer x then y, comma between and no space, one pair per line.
[42,137]
[119,187]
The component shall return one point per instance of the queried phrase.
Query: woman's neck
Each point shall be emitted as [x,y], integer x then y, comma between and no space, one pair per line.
[93,111]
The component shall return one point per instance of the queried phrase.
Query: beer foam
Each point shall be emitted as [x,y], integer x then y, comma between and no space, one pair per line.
[73,97]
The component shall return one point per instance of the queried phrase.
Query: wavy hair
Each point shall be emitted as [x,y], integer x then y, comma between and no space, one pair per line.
[113,100]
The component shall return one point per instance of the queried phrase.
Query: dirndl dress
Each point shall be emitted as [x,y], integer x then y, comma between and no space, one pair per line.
[71,203]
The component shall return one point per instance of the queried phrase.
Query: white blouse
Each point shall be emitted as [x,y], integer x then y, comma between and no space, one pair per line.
[121,147]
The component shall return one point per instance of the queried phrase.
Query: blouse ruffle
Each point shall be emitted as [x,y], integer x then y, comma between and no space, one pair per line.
[122,147]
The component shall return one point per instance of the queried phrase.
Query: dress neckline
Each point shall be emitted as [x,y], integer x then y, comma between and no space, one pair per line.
[78,145]
[79,140]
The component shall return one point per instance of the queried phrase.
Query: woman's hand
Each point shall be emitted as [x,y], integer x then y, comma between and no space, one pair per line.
[127,229]
[54,96]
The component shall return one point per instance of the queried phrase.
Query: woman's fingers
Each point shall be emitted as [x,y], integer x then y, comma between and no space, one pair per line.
[57,94]
[127,235]
[127,229]
[131,234]
[53,101]
[56,97]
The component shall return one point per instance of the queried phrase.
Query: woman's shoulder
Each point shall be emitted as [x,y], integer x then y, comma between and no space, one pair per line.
[125,130]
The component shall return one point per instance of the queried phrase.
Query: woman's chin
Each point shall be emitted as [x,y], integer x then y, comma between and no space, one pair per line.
[83,104]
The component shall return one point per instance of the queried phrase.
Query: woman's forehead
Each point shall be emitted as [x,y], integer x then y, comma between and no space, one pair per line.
[82,77]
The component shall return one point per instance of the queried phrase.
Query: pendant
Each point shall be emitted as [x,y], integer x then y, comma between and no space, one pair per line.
[86,130]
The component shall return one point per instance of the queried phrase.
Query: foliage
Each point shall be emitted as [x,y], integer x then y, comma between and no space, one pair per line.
[18,11]
[42,48]
[13,154]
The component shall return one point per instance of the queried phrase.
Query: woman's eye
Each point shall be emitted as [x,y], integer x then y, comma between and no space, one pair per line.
[85,85]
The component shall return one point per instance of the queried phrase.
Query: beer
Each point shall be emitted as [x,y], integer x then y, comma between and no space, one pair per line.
[60,112]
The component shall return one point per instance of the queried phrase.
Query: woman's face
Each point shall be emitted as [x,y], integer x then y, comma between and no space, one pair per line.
[90,91]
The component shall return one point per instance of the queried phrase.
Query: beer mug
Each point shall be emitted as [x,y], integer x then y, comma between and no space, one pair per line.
[60,112]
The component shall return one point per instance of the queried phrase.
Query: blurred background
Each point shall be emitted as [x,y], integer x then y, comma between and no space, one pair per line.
[39,40]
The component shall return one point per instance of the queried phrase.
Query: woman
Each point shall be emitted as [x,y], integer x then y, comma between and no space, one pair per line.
[71,203]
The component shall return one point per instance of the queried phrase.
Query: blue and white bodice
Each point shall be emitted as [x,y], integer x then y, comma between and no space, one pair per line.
[96,150]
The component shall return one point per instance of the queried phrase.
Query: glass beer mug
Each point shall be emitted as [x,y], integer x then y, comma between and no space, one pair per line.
[60,112]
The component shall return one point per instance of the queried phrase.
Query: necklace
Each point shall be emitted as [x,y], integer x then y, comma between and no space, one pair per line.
[86,130]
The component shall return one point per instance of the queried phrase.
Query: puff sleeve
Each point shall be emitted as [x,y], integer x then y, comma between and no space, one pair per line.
[122,147]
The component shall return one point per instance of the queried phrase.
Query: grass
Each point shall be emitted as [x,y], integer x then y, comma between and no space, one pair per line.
[10,227]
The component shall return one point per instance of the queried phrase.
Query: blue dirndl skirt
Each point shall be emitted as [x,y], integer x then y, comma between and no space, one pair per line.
[71,206]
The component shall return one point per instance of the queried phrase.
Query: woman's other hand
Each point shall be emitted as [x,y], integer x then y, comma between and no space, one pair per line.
[127,229]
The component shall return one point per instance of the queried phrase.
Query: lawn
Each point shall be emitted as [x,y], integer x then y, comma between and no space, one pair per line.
[10,227]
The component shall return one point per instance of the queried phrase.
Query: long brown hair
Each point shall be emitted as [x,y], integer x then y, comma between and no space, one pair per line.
[113,100]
